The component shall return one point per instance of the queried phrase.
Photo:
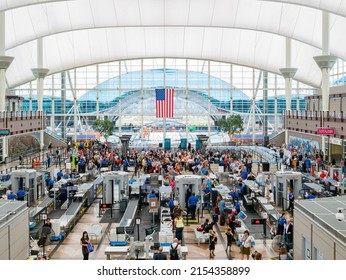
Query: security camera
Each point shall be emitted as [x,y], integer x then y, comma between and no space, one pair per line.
[339,215]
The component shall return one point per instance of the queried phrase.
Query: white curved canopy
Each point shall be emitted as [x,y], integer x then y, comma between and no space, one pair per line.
[246,32]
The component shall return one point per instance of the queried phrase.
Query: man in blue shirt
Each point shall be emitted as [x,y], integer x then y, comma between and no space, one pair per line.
[307,164]
[192,202]
[20,194]
[50,183]
[59,175]
[291,200]
[11,196]
[207,192]
[281,224]
[311,195]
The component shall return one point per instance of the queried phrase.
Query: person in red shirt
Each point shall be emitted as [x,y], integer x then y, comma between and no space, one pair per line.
[323,175]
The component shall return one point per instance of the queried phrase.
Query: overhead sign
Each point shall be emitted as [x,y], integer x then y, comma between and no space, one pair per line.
[326,130]
[335,141]
[4,131]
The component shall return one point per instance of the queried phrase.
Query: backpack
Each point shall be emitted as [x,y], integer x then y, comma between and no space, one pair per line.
[174,253]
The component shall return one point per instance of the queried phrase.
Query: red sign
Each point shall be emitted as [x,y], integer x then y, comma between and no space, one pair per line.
[326,130]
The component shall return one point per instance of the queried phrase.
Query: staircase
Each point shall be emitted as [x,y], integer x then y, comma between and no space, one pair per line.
[55,139]
[278,139]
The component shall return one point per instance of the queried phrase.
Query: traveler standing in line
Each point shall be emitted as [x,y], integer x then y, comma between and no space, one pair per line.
[192,202]
[84,241]
[179,226]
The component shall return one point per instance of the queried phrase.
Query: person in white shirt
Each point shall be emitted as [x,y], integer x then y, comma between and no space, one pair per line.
[271,197]
[174,244]
[246,243]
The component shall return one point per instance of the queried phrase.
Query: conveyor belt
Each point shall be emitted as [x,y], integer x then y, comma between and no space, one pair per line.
[40,208]
[129,213]
[74,208]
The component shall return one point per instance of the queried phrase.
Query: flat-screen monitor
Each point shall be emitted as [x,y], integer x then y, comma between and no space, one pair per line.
[242,215]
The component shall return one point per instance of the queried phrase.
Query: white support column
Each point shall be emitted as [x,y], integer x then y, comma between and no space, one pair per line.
[187,100]
[276,104]
[231,90]
[5,62]
[209,99]
[30,97]
[298,100]
[142,93]
[288,73]
[325,62]
[97,92]
[40,73]
[75,121]
[52,122]
[119,103]
[253,108]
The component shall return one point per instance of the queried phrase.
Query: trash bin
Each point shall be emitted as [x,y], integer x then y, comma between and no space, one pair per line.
[265,166]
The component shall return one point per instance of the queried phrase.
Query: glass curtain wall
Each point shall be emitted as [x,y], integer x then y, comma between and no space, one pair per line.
[124,91]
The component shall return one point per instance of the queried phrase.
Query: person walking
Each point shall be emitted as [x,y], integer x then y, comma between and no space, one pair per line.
[84,241]
[246,243]
[229,236]
[212,241]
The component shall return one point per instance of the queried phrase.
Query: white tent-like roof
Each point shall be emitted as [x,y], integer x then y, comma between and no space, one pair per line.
[246,32]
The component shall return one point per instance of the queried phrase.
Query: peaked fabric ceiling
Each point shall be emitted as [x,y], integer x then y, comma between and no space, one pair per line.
[245,32]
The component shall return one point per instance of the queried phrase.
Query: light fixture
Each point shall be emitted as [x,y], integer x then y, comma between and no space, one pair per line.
[340,216]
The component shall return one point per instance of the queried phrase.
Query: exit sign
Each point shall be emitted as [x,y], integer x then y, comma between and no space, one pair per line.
[4,131]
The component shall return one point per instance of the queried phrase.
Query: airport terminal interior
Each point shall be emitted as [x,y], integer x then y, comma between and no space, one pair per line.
[172,130]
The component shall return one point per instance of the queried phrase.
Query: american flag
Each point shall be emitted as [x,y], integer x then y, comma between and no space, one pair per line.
[165,103]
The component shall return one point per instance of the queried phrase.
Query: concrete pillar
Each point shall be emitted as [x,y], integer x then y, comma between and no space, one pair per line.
[288,74]
[325,61]
[119,103]
[209,99]
[40,73]
[187,100]
[5,62]
[276,104]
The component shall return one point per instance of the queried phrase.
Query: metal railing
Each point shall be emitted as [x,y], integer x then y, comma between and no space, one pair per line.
[54,135]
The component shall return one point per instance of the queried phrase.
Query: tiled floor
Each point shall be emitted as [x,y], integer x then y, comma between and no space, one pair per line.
[70,248]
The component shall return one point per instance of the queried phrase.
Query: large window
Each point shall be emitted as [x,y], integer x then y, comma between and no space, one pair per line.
[124,91]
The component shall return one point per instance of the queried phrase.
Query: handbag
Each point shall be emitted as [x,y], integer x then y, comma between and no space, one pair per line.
[90,248]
